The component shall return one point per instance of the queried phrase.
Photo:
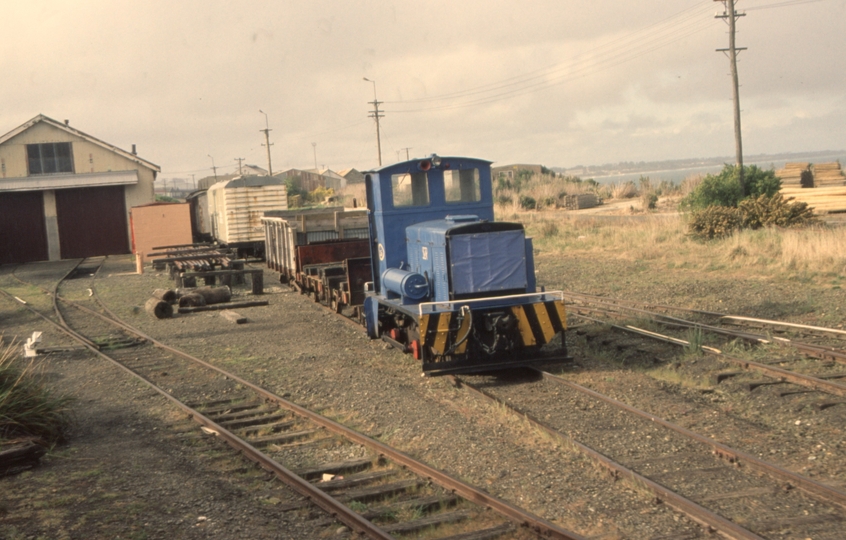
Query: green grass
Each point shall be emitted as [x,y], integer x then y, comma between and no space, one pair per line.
[28,409]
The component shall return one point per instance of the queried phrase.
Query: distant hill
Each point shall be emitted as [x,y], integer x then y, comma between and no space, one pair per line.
[677,169]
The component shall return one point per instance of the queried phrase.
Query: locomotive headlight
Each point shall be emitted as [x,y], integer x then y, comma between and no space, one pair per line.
[436,160]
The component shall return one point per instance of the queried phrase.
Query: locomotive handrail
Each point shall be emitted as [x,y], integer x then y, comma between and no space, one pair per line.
[488,302]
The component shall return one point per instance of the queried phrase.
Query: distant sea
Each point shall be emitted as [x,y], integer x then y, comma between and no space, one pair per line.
[677,175]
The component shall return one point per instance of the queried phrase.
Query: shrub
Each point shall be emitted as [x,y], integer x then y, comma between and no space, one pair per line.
[720,190]
[766,211]
[715,222]
[528,203]
[755,213]
[503,200]
[724,189]
[649,199]
[548,202]
[760,182]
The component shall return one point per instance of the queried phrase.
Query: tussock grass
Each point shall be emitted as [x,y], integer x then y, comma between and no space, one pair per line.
[28,409]
[652,237]
[785,253]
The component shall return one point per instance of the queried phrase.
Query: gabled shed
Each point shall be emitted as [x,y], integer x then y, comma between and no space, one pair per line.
[65,194]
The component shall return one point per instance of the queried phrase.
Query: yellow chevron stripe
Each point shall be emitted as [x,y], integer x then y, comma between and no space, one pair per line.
[544,321]
[562,313]
[422,326]
[524,326]
[443,332]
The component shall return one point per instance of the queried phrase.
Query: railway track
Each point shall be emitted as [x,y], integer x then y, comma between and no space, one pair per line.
[827,373]
[372,488]
[728,491]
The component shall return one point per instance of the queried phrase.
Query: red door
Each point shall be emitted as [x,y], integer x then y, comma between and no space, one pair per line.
[92,221]
[23,235]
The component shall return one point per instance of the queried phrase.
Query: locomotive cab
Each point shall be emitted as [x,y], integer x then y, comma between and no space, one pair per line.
[451,285]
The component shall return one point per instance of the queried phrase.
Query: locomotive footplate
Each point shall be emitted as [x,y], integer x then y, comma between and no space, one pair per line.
[481,334]
[490,338]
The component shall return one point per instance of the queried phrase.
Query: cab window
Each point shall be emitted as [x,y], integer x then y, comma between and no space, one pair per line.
[462,186]
[410,189]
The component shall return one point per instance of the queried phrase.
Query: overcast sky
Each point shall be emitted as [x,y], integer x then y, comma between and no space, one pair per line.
[557,82]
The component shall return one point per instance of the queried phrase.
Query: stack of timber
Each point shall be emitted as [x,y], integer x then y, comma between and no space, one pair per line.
[796,175]
[828,174]
[196,257]
[822,200]
[583,200]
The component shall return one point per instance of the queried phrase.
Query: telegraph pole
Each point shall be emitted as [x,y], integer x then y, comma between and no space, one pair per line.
[314,147]
[267,131]
[376,114]
[406,152]
[731,16]
[239,160]
[214,168]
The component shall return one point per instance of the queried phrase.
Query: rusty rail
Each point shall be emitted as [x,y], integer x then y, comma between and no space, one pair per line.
[711,521]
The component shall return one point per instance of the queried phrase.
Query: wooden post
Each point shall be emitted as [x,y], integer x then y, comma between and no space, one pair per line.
[139,263]
[237,264]
[258,281]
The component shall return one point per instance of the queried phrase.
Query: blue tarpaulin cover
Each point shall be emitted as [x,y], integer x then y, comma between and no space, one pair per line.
[488,262]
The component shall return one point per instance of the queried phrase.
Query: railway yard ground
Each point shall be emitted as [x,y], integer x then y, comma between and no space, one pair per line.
[136,467]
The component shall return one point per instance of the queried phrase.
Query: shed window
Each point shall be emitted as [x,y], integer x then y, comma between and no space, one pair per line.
[462,186]
[49,158]
[410,189]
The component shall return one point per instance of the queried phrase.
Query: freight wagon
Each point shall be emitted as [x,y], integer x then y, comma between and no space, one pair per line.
[236,207]
[320,252]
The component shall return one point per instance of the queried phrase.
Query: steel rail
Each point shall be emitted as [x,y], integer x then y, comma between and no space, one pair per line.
[822,352]
[534,523]
[801,482]
[708,519]
[817,351]
[783,324]
[333,507]
[573,294]
[782,375]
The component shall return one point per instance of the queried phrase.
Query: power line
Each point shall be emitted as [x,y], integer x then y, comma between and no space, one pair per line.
[671,22]
[783,4]
[622,49]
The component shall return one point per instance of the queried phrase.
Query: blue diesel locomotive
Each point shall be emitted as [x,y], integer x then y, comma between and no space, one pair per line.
[451,285]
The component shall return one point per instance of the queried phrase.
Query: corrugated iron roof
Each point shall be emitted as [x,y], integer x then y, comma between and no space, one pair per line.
[249,181]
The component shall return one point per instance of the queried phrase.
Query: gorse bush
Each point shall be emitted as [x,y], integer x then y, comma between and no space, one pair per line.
[756,213]
[775,211]
[27,408]
[715,222]
[724,189]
